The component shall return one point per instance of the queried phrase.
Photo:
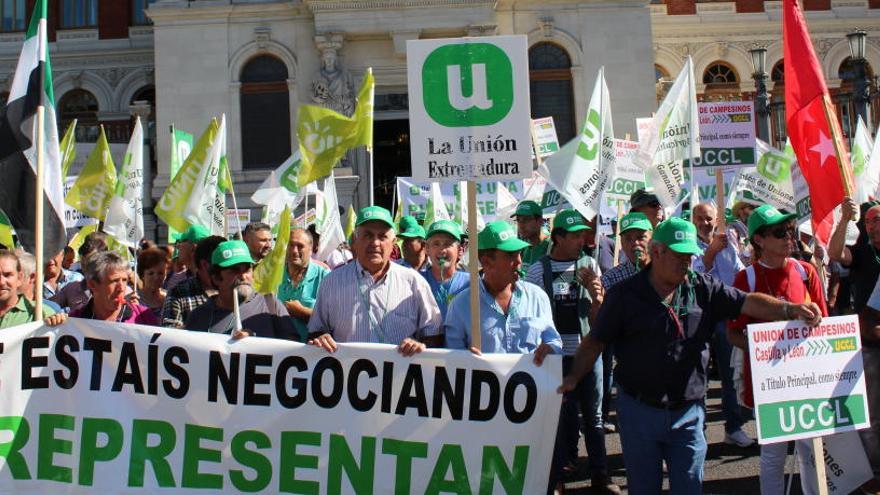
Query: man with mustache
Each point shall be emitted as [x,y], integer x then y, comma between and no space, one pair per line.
[232,273]
[660,322]
[373,299]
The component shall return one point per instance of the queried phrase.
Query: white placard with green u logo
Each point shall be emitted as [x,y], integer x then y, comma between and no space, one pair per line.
[469,108]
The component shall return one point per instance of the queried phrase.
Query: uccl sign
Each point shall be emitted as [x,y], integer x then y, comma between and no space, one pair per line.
[807,382]
[469,108]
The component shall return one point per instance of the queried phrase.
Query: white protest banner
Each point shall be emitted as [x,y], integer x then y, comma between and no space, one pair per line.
[546,141]
[727,134]
[414,196]
[234,218]
[74,218]
[628,175]
[846,465]
[469,108]
[110,408]
[807,382]
[770,181]
[644,128]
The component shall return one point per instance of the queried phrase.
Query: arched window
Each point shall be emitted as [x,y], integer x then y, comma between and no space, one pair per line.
[721,83]
[81,105]
[777,74]
[660,73]
[265,113]
[719,73]
[12,14]
[550,85]
[79,13]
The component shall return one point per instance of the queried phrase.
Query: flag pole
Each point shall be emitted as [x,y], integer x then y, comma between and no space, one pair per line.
[843,163]
[719,200]
[476,335]
[234,202]
[38,228]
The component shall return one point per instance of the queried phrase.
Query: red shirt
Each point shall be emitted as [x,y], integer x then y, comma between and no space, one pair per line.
[784,283]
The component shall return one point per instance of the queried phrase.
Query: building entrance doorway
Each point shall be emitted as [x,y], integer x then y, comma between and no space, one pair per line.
[391,158]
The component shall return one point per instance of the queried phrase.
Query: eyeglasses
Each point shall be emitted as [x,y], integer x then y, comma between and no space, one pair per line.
[782,233]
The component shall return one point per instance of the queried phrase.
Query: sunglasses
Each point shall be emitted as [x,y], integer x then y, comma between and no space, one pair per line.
[783,232]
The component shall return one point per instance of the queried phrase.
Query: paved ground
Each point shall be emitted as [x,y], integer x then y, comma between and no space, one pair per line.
[729,469]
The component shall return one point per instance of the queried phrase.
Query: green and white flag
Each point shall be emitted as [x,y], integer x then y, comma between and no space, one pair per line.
[68,148]
[181,147]
[32,88]
[769,181]
[583,168]
[206,204]
[174,200]
[674,138]
[462,213]
[93,188]
[436,207]
[281,184]
[328,224]
[866,170]
[125,215]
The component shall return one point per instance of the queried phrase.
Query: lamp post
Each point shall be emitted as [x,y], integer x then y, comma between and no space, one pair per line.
[762,99]
[857,40]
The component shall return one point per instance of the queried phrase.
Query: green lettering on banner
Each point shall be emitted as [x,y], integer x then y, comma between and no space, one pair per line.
[193,453]
[48,445]
[723,157]
[141,452]
[11,451]
[251,459]
[290,461]
[512,478]
[405,452]
[780,419]
[342,459]
[450,456]
[90,453]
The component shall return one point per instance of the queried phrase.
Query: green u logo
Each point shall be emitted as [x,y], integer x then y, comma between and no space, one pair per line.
[589,145]
[468,84]
[774,166]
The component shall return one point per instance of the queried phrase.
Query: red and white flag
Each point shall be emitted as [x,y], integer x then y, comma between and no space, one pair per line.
[812,124]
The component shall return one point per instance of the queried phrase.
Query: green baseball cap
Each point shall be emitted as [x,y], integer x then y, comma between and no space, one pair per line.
[528,208]
[447,226]
[194,234]
[500,235]
[635,220]
[678,235]
[409,227]
[570,220]
[377,213]
[229,253]
[767,215]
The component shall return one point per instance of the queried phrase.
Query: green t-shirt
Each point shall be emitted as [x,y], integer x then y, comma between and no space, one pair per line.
[532,254]
[21,313]
[305,292]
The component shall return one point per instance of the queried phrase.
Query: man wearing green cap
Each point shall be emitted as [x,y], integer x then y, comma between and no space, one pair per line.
[660,322]
[373,299]
[186,246]
[444,249]
[508,306]
[570,279]
[529,220]
[413,245]
[192,292]
[232,272]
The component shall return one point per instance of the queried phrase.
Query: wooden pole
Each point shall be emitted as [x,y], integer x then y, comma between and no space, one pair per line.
[819,458]
[476,336]
[617,244]
[842,156]
[719,200]
[38,228]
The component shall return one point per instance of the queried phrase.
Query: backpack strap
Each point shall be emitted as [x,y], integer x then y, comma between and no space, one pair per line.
[547,279]
[750,277]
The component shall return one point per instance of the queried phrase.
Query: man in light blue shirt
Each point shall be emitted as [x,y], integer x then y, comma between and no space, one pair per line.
[515,316]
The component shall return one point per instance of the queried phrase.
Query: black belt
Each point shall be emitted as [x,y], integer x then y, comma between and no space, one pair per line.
[658,404]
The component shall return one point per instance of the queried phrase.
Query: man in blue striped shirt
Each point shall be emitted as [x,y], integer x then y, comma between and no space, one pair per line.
[373,299]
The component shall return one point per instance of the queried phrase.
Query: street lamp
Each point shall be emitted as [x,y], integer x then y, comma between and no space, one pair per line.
[762,99]
[857,40]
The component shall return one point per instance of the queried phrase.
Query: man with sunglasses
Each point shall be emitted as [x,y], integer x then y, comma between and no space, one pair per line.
[774,272]
[660,322]
[647,203]
[721,259]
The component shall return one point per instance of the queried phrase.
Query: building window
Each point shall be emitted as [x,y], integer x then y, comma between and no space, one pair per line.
[844,97]
[777,75]
[81,105]
[12,15]
[79,13]
[721,83]
[719,73]
[138,16]
[662,82]
[551,90]
[265,113]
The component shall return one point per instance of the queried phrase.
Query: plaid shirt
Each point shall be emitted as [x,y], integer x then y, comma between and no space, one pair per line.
[181,301]
[618,274]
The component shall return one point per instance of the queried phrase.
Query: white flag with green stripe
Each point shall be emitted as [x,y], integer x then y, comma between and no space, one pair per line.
[31,88]
[125,215]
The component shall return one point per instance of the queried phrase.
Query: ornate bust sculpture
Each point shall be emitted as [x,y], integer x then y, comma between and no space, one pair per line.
[333,86]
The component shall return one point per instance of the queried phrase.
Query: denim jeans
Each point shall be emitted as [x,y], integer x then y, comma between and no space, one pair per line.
[585,400]
[871,436]
[607,379]
[650,435]
[733,418]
